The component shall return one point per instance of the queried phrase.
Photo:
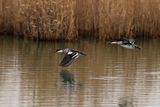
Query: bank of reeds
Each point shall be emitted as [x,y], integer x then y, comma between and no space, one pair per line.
[70,19]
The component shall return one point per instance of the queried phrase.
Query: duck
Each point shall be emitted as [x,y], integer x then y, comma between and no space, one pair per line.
[126,43]
[70,56]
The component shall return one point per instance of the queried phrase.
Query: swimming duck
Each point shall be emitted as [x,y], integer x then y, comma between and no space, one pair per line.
[126,43]
[70,56]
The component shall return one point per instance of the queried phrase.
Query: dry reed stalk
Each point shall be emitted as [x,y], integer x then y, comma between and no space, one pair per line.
[70,19]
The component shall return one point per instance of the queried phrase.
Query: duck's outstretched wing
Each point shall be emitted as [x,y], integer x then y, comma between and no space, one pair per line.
[68,59]
[130,40]
[77,51]
[125,40]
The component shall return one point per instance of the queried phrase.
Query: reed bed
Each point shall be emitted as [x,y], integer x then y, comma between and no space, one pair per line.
[71,19]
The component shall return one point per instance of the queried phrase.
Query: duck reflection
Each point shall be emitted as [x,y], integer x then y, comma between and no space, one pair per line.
[68,77]
[126,102]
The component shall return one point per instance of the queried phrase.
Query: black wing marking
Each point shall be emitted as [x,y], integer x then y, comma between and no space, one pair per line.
[131,41]
[127,43]
[77,51]
[67,60]
[125,40]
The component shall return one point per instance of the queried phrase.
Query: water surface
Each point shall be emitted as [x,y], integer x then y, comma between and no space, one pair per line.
[109,76]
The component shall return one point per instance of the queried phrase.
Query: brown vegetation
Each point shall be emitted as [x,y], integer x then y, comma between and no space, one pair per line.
[70,19]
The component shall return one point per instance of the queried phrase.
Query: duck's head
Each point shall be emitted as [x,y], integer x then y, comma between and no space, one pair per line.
[59,50]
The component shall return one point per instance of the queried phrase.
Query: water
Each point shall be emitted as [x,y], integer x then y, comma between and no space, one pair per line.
[109,76]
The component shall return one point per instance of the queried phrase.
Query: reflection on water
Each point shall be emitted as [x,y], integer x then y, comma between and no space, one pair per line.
[68,78]
[126,102]
[109,76]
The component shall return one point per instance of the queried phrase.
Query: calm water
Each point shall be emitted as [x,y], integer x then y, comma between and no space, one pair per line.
[109,76]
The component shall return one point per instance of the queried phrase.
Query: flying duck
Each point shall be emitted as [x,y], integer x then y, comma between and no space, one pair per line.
[70,56]
[126,43]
